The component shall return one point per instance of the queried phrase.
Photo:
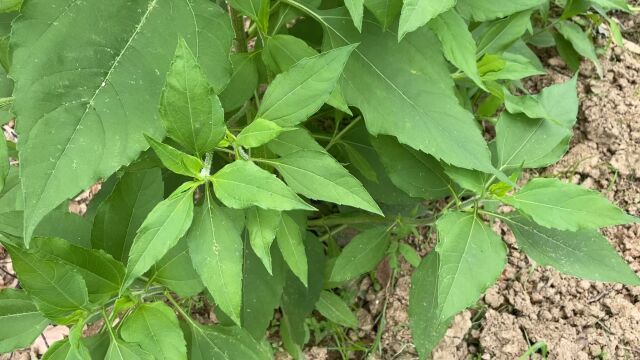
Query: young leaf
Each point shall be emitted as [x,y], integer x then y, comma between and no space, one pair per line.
[289,237]
[557,103]
[333,308]
[155,328]
[471,257]
[416,13]
[361,254]
[86,112]
[356,10]
[120,350]
[244,81]
[427,325]
[160,231]
[412,171]
[483,10]
[175,160]
[243,184]
[102,274]
[122,213]
[555,204]
[525,142]
[190,111]
[175,270]
[21,320]
[216,251]
[584,253]
[308,83]
[58,292]
[262,226]
[469,179]
[496,37]
[409,254]
[458,46]
[319,176]
[579,40]
[217,342]
[514,67]
[259,132]
[405,82]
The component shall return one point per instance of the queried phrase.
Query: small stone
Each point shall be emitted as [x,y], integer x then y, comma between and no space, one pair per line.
[584,284]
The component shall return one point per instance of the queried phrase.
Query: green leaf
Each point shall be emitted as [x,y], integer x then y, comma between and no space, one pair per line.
[386,11]
[557,103]
[613,4]
[281,52]
[579,40]
[414,172]
[175,270]
[410,254]
[102,274]
[262,226]
[224,343]
[155,328]
[63,350]
[190,111]
[309,83]
[525,142]
[416,13]
[10,5]
[120,350]
[567,52]
[356,10]
[293,141]
[333,308]
[555,204]
[483,10]
[361,255]
[259,132]
[289,237]
[215,246]
[249,8]
[427,325]
[122,213]
[85,104]
[360,162]
[514,67]
[469,179]
[160,231]
[59,292]
[4,162]
[472,257]
[21,320]
[175,160]
[243,184]
[243,83]
[499,35]
[408,82]
[319,176]
[458,46]
[261,291]
[584,253]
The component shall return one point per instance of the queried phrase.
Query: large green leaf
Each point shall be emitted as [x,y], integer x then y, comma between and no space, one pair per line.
[243,184]
[521,141]
[409,83]
[483,10]
[155,328]
[319,176]
[297,93]
[356,10]
[120,350]
[497,36]
[244,80]
[361,255]
[281,52]
[458,46]
[425,316]
[334,308]
[59,292]
[579,40]
[557,103]
[160,231]
[102,274]
[386,11]
[84,104]
[190,111]
[224,343]
[289,237]
[416,13]
[215,246]
[262,226]
[471,258]
[584,253]
[21,321]
[10,5]
[555,204]
[416,173]
[175,270]
[122,213]
[63,350]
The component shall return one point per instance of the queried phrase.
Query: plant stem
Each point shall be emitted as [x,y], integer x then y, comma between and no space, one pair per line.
[179,309]
[342,133]
[364,219]
[107,324]
[238,28]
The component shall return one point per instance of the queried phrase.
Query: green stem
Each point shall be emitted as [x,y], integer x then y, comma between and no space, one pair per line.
[342,133]
[364,219]
[333,232]
[107,324]
[179,309]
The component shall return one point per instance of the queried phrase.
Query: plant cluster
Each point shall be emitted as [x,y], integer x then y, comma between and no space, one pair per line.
[234,142]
